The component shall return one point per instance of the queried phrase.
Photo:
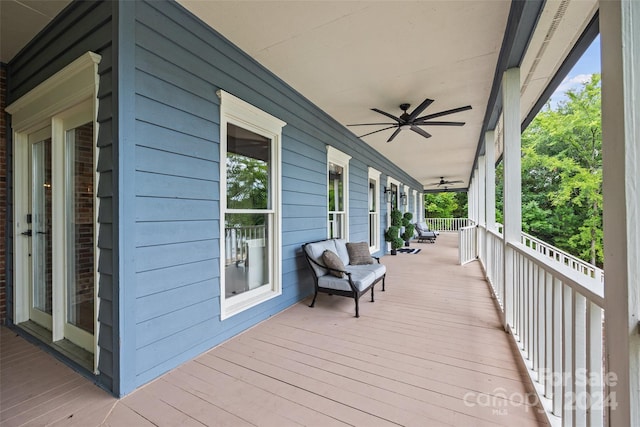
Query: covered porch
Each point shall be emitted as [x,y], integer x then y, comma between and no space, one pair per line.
[430,351]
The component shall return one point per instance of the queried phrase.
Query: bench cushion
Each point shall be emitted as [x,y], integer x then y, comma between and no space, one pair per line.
[315,251]
[361,278]
[341,250]
[378,270]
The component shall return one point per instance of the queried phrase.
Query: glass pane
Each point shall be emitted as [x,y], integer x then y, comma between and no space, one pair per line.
[336,194]
[248,169]
[247,242]
[394,196]
[41,226]
[80,224]
[336,222]
[372,229]
[372,196]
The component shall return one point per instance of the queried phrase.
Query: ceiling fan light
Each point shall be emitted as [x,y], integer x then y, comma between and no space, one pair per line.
[405,127]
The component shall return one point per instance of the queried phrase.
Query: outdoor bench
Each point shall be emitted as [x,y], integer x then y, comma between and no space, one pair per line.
[341,268]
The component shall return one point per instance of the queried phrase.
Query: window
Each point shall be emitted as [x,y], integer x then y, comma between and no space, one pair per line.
[250,205]
[374,210]
[338,193]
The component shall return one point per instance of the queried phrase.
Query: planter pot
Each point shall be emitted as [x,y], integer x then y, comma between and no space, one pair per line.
[393,252]
[407,243]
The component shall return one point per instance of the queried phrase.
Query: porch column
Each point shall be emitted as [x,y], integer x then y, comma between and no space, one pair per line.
[620,54]
[512,182]
[481,191]
[490,179]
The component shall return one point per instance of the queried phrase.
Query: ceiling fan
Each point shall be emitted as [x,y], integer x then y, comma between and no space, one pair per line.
[412,121]
[445,182]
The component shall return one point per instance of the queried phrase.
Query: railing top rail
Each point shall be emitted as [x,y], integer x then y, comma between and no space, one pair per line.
[559,251]
[589,287]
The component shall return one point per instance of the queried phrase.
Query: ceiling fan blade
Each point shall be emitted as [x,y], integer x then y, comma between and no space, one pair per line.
[422,132]
[443,113]
[372,124]
[384,113]
[419,109]
[394,134]
[376,131]
[437,123]
[453,182]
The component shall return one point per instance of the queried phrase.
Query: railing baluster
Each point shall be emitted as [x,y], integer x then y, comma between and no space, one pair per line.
[579,361]
[548,334]
[567,357]
[557,362]
[596,385]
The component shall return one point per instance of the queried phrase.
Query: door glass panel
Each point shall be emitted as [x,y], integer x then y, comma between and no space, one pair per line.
[42,272]
[80,227]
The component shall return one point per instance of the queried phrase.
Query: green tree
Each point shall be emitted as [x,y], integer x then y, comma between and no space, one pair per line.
[562,174]
[445,205]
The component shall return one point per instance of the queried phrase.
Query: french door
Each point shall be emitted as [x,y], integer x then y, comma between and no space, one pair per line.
[57,269]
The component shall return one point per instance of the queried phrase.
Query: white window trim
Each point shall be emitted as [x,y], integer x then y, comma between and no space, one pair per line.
[374,175]
[415,205]
[46,105]
[238,112]
[341,159]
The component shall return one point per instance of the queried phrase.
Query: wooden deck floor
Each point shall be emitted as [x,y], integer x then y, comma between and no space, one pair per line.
[430,351]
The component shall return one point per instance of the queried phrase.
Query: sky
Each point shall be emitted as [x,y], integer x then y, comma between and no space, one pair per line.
[580,73]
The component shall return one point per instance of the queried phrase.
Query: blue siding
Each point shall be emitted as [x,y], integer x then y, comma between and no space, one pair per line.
[180,64]
[81,27]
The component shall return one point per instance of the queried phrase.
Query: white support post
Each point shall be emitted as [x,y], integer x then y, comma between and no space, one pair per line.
[620,54]
[490,178]
[481,191]
[512,182]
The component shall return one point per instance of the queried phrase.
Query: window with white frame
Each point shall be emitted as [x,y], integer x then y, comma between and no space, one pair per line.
[250,204]
[338,193]
[374,210]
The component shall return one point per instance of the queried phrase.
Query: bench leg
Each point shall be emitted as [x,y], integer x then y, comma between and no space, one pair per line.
[357,307]
[372,293]
[314,299]
[383,277]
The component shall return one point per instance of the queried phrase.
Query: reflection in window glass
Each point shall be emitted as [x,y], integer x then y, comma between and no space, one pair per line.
[336,187]
[248,159]
[247,228]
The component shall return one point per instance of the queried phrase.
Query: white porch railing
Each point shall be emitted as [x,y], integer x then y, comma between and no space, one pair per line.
[447,224]
[468,243]
[555,313]
[235,241]
[562,257]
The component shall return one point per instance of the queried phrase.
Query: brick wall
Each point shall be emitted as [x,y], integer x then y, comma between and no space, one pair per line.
[3,195]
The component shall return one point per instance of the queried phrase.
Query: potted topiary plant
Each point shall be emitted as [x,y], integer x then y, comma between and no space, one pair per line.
[407,234]
[393,232]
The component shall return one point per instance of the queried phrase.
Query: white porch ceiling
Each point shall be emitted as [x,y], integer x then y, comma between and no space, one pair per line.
[21,20]
[350,56]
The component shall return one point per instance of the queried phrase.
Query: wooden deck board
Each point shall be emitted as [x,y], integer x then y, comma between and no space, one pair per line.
[429,351]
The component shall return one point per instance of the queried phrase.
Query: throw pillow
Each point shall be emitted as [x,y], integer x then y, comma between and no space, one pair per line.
[333,261]
[359,253]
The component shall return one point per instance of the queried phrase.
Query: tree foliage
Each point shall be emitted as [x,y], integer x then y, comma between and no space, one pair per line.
[445,205]
[562,174]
